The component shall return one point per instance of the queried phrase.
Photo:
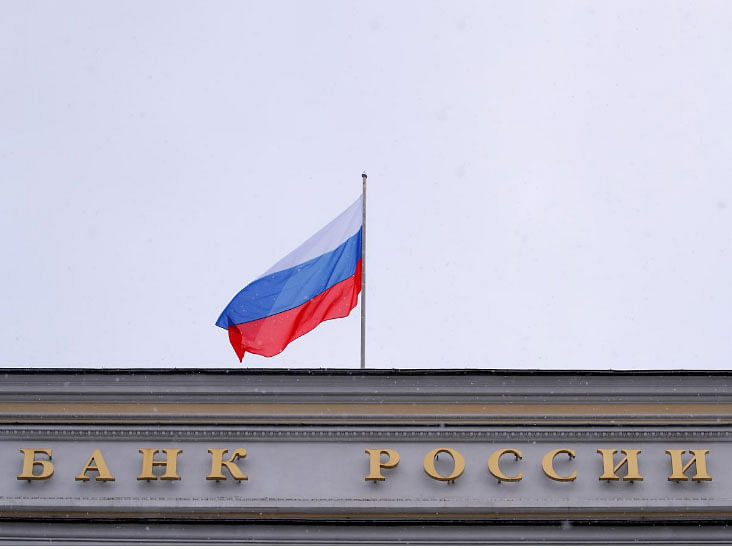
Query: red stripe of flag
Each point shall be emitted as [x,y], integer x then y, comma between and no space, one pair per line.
[270,335]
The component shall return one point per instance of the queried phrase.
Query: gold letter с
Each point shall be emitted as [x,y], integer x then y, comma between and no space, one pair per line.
[547,464]
[495,469]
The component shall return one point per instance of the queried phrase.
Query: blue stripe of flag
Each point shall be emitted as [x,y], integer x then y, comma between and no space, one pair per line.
[285,290]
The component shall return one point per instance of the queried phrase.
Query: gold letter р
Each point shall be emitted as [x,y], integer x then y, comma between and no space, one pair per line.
[375,463]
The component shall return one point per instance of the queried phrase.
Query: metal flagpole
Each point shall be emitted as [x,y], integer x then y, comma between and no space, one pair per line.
[363,277]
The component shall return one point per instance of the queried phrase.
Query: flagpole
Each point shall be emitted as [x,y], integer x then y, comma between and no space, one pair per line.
[363,277]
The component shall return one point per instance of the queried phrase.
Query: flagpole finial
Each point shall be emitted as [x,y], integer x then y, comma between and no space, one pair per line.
[363,174]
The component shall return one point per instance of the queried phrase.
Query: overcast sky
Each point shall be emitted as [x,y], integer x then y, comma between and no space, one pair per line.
[550,183]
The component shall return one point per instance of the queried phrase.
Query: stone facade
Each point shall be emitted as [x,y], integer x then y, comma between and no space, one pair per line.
[273,455]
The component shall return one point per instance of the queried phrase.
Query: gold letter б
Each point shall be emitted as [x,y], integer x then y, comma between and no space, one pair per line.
[29,461]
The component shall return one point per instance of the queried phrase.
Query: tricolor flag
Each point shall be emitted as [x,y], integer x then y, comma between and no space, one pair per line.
[320,280]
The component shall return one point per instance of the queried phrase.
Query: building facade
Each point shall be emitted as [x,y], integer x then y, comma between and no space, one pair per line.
[364,456]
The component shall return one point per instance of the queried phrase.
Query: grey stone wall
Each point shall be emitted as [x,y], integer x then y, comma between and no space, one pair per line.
[306,432]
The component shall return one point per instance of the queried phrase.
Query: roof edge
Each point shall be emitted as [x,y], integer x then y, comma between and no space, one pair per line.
[357,371]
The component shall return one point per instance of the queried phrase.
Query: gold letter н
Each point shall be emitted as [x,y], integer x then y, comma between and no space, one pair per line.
[149,461]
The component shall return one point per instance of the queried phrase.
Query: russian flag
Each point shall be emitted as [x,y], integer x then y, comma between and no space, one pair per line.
[320,280]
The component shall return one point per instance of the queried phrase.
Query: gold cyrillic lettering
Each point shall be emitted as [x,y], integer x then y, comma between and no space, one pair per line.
[457,469]
[149,461]
[495,469]
[678,469]
[547,464]
[97,464]
[375,463]
[30,461]
[609,468]
[218,463]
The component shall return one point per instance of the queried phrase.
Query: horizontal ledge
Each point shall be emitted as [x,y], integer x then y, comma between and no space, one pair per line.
[375,413]
[361,385]
[640,514]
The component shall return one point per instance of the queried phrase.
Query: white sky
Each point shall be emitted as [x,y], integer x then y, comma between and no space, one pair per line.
[550,182]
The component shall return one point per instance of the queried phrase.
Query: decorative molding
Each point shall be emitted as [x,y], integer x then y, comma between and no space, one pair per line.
[357,434]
